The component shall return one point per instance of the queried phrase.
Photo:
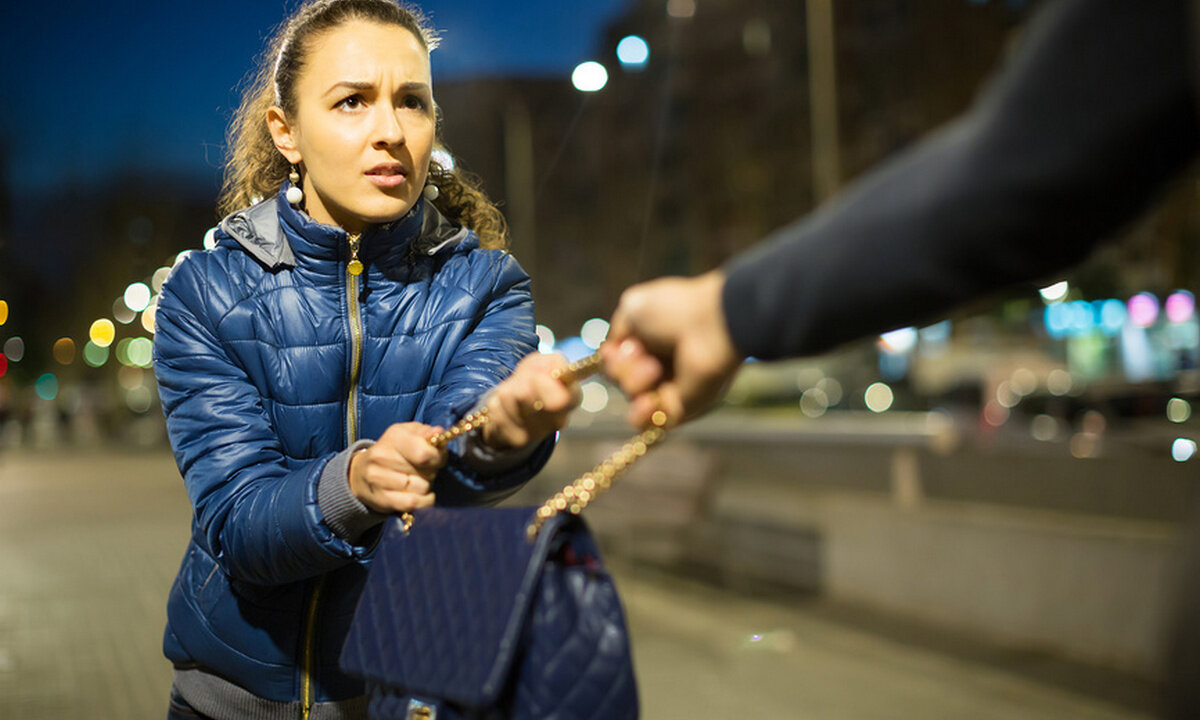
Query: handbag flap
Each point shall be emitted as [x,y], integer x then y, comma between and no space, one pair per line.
[443,606]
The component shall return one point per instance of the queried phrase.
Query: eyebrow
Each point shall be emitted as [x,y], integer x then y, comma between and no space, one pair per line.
[361,85]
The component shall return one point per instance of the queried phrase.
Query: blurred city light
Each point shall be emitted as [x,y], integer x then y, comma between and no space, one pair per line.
[121,312]
[633,51]
[1183,449]
[593,397]
[149,314]
[1056,292]
[102,333]
[64,351]
[46,387]
[3,365]
[1023,381]
[95,355]
[1178,410]
[179,258]
[137,296]
[545,339]
[1143,309]
[994,413]
[899,341]
[3,312]
[141,351]
[1112,316]
[14,349]
[1180,306]
[814,402]
[878,397]
[444,159]
[589,76]
[1006,396]
[160,277]
[593,332]
[139,399]
[832,389]
[210,240]
[1043,427]
[681,8]
[131,378]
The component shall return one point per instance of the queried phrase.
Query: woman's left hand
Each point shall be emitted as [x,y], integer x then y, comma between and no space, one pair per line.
[529,404]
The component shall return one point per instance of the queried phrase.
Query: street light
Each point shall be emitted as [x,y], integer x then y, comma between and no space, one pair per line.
[633,52]
[589,76]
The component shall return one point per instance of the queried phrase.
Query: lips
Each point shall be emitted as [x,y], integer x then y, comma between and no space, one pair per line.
[387,174]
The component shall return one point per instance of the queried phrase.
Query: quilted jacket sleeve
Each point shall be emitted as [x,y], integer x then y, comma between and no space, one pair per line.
[502,335]
[258,517]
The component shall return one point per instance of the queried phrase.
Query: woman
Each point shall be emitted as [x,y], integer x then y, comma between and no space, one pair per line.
[304,362]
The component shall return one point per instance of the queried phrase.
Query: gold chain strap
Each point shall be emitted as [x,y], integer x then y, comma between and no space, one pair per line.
[576,496]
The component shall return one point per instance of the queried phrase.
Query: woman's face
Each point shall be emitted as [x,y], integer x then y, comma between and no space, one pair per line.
[364,124]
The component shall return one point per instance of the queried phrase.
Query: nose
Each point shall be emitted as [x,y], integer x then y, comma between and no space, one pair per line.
[388,130]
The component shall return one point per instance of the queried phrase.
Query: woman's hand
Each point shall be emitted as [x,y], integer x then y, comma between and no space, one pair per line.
[530,404]
[395,473]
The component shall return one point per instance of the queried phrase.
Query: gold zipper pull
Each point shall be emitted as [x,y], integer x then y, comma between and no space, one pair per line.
[354,267]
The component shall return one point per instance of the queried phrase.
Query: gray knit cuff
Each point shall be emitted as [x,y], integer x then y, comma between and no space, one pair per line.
[488,461]
[344,513]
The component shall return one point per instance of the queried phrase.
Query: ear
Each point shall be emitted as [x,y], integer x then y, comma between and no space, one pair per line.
[284,134]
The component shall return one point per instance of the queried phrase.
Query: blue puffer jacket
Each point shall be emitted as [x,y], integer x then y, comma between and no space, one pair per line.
[271,361]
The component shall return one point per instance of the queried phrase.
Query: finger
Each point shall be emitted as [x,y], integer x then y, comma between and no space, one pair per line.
[395,502]
[634,369]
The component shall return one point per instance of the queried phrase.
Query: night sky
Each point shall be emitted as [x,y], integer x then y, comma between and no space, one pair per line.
[94,89]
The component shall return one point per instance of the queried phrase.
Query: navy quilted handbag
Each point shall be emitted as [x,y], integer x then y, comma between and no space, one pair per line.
[464,618]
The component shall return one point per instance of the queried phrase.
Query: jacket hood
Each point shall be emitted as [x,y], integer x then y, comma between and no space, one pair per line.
[259,230]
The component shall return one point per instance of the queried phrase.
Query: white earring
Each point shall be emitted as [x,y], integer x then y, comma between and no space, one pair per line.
[431,192]
[294,194]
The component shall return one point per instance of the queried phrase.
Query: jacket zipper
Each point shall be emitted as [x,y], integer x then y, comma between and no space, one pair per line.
[310,650]
[354,268]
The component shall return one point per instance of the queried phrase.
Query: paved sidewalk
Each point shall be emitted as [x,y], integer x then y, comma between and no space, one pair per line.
[89,544]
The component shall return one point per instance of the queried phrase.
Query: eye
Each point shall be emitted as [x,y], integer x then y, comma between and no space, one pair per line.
[413,102]
[352,102]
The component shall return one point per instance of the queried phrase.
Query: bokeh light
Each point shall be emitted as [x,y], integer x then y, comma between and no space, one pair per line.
[1059,382]
[633,51]
[122,313]
[593,397]
[149,314]
[1178,410]
[64,351]
[3,365]
[1056,292]
[103,332]
[46,386]
[160,277]
[95,355]
[1143,309]
[681,8]
[131,377]
[545,339]
[832,389]
[879,397]
[589,76]
[139,399]
[1043,427]
[14,349]
[141,351]
[137,296]
[814,402]
[3,312]
[1183,449]
[593,332]
[1180,306]
[442,158]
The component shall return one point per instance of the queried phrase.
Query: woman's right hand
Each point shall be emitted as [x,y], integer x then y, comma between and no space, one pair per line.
[395,474]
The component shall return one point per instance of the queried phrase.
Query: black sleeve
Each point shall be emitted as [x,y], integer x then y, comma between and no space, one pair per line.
[1093,114]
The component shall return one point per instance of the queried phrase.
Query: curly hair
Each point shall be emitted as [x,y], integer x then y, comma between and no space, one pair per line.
[255,168]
